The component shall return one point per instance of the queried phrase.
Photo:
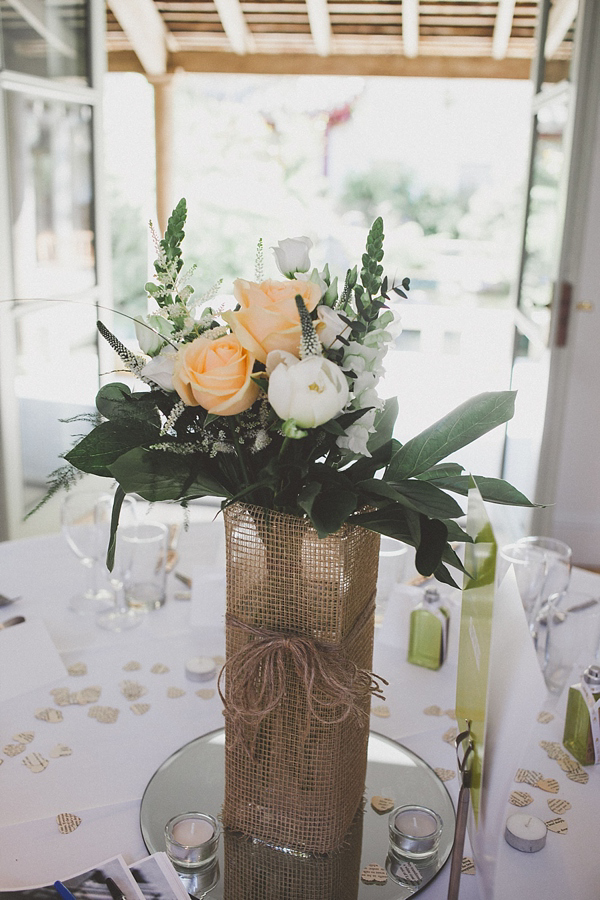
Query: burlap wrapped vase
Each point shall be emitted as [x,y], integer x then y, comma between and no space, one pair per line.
[297,681]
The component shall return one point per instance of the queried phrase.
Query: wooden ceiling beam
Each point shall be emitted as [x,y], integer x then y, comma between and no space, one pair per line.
[235,26]
[502,28]
[410,28]
[562,15]
[320,25]
[146,32]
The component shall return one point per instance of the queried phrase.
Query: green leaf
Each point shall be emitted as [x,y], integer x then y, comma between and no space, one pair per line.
[431,547]
[114,524]
[444,470]
[463,425]
[384,425]
[99,449]
[116,402]
[157,475]
[429,499]
[495,490]
[366,466]
[331,508]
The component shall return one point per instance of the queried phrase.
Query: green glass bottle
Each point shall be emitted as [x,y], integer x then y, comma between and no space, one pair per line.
[429,625]
[577,736]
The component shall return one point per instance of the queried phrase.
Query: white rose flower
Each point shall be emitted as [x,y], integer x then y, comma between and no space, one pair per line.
[329,326]
[160,369]
[150,332]
[310,391]
[292,256]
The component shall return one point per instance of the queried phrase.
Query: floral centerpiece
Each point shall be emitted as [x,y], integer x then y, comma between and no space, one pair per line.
[272,406]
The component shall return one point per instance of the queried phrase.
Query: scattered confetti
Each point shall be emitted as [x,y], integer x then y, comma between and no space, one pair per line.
[553,749]
[140,708]
[520,798]
[527,776]
[105,714]
[468,866]
[445,774]
[60,750]
[49,715]
[382,711]
[14,749]
[558,806]
[159,669]
[569,765]
[579,777]
[373,874]
[78,668]
[451,713]
[544,717]
[62,696]
[132,666]
[174,692]
[382,805]
[558,826]
[407,871]
[548,784]
[35,762]
[205,693]
[88,695]
[25,736]
[433,711]
[131,690]
[450,735]
[67,822]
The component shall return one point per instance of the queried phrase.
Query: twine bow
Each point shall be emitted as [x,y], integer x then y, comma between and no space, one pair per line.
[335,687]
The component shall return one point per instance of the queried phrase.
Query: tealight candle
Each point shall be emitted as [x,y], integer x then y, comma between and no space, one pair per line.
[414,831]
[192,839]
[200,668]
[526,833]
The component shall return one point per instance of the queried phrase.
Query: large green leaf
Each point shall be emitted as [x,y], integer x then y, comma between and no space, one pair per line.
[114,524]
[495,490]
[384,425]
[434,535]
[116,402]
[427,498]
[463,425]
[98,450]
[155,476]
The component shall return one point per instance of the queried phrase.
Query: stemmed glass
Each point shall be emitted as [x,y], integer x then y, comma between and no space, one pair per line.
[86,531]
[119,616]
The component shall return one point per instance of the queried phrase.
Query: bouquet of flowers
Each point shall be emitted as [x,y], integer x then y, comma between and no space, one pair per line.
[275,403]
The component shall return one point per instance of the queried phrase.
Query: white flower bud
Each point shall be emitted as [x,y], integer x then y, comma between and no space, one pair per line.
[292,256]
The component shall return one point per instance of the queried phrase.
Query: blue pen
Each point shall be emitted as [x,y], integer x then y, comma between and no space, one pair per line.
[64,892]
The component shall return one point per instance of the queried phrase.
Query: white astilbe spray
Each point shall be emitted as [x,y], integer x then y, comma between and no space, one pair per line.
[177,411]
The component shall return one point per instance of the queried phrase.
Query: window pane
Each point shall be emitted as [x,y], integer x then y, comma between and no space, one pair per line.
[51,196]
[48,39]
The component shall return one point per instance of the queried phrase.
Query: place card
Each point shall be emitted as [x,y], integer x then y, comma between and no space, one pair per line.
[29,659]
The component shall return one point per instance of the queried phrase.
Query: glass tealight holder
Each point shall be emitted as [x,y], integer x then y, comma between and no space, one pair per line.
[192,840]
[415,832]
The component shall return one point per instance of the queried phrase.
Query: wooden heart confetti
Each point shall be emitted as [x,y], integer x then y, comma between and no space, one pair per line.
[467,866]
[450,735]
[205,693]
[548,784]
[383,712]
[159,669]
[35,762]
[381,805]
[25,736]
[527,776]
[579,777]
[445,774]
[140,708]
[373,874]
[131,690]
[105,714]
[558,806]
[451,713]
[407,871]
[67,822]
[433,711]
[14,749]
[78,668]
[62,696]
[174,692]
[553,749]
[60,750]
[87,695]
[569,765]
[132,666]
[544,717]
[520,798]
[558,826]
[49,715]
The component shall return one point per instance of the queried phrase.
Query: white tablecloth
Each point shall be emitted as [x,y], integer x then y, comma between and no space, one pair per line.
[103,778]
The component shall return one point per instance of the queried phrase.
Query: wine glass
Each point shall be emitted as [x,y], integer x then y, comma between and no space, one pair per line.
[557,564]
[86,530]
[119,616]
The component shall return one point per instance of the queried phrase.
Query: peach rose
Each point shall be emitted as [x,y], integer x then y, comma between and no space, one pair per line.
[268,318]
[215,375]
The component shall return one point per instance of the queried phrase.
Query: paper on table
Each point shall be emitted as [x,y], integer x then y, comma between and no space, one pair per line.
[28,659]
[158,878]
[208,597]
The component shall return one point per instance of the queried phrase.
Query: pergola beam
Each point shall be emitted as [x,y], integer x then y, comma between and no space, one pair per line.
[235,26]
[503,28]
[562,15]
[146,32]
[410,28]
[320,25]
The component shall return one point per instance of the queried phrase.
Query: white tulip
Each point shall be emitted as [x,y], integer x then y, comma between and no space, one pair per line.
[151,332]
[329,326]
[160,369]
[309,391]
[292,256]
